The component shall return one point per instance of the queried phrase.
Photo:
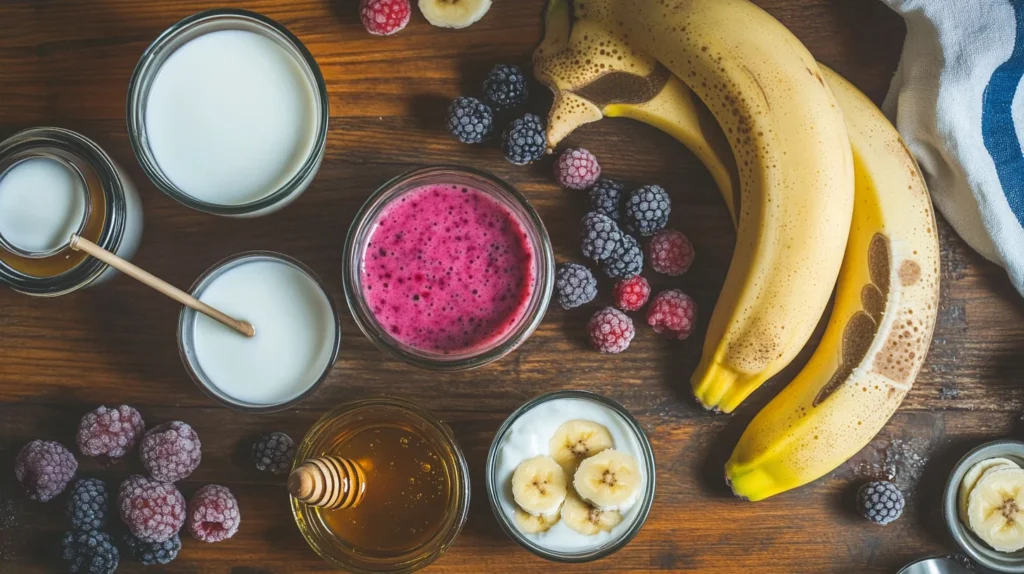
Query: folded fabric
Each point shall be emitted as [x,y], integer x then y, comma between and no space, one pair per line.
[956,102]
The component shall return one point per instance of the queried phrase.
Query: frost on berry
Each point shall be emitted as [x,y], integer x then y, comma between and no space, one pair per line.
[44,469]
[213,514]
[171,451]
[577,168]
[673,314]
[110,433]
[670,252]
[154,511]
[384,17]
[610,330]
[631,294]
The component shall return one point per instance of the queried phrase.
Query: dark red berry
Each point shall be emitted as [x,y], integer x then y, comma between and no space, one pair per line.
[171,451]
[673,314]
[610,330]
[154,511]
[577,168]
[670,252]
[631,294]
[384,17]
[213,514]
[110,433]
[44,468]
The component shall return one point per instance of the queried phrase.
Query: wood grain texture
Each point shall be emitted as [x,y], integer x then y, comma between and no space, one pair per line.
[67,63]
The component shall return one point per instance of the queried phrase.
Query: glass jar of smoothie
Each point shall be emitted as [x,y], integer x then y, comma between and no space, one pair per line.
[228,112]
[416,496]
[600,454]
[54,183]
[448,268]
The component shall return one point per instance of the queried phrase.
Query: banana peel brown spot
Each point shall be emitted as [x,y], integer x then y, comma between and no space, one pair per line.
[909,273]
[906,343]
[878,262]
[857,337]
[873,301]
[618,87]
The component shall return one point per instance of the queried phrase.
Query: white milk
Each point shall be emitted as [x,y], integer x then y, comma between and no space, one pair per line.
[295,333]
[230,117]
[529,437]
[42,202]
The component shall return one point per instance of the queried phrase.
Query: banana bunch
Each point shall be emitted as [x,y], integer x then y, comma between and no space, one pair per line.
[798,153]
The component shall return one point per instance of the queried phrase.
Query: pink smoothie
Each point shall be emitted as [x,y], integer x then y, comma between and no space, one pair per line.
[447,269]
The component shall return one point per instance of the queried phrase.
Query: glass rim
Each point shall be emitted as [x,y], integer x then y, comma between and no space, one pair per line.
[114,224]
[304,451]
[187,316]
[146,68]
[646,502]
[367,323]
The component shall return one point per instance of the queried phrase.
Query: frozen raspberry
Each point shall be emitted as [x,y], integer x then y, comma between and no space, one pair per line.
[610,330]
[274,453]
[384,17]
[213,514]
[44,468]
[171,451]
[154,511]
[670,252]
[673,314]
[577,168]
[110,433]
[631,294]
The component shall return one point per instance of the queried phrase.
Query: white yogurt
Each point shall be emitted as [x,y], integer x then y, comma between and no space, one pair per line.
[295,333]
[231,117]
[529,436]
[42,202]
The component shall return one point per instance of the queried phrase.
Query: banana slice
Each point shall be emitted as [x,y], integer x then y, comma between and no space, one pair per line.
[531,524]
[454,13]
[995,509]
[971,479]
[586,519]
[576,440]
[539,485]
[610,480]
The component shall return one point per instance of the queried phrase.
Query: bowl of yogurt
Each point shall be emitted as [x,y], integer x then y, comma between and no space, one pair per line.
[448,268]
[570,476]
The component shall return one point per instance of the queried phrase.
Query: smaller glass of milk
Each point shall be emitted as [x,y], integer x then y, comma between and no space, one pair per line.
[227,113]
[298,332]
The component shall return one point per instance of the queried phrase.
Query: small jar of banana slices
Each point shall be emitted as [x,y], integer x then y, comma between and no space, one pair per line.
[570,476]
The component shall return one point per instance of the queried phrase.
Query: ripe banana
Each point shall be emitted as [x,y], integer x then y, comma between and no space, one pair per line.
[996,509]
[609,480]
[971,478]
[576,440]
[887,296]
[454,13]
[539,485]
[534,524]
[785,131]
[586,519]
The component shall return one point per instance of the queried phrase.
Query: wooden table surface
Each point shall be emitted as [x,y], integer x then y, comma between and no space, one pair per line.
[67,63]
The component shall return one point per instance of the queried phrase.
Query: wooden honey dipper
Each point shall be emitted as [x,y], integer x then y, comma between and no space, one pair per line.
[328,482]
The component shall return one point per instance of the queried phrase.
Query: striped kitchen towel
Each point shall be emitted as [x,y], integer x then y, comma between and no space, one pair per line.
[956,99]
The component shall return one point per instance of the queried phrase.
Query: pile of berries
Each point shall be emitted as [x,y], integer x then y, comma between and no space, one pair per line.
[505,90]
[611,233]
[151,507]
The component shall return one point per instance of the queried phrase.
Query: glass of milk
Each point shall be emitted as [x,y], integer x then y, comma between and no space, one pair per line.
[227,113]
[298,332]
[55,183]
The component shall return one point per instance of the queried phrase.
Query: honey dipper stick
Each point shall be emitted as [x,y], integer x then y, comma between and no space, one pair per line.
[328,482]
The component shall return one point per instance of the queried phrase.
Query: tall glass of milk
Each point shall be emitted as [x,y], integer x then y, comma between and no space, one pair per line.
[298,332]
[54,183]
[227,113]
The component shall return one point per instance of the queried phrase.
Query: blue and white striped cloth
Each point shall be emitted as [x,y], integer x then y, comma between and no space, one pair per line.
[957,101]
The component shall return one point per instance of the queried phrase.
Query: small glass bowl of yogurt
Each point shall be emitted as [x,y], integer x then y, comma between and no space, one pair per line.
[448,268]
[598,449]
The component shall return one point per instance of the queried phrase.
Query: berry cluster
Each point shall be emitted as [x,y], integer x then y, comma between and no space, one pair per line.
[505,90]
[610,235]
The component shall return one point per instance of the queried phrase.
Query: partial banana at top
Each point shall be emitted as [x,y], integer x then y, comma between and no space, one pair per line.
[454,13]
[785,131]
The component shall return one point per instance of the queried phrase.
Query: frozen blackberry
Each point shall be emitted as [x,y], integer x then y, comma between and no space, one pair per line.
[600,236]
[154,511]
[44,468]
[470,120]
[89,552]
[171,451]
[605,197]
[88,504]
[110,433]
[880,502]
[525,140]
[505,87]
[575,285]
[150,553]
[213,514]
[647,210]
[274,453]
[626,261]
